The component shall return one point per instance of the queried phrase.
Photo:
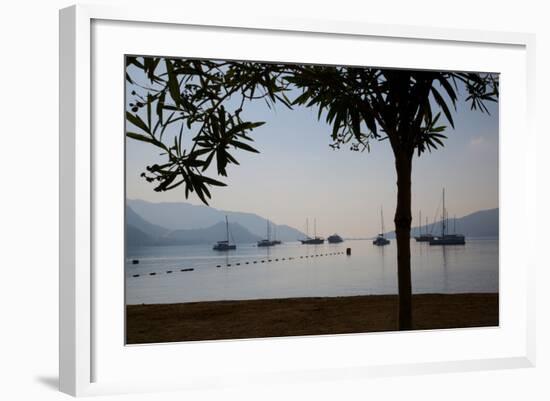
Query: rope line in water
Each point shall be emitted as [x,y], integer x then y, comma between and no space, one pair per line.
[190,269]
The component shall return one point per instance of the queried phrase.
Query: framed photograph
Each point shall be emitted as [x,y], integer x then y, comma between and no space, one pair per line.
[280,200]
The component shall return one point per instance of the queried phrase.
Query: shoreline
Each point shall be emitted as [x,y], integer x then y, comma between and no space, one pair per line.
[281,317]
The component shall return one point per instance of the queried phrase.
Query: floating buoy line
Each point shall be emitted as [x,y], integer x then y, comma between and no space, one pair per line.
[190,269]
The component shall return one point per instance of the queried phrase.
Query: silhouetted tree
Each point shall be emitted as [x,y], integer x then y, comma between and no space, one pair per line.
[205,99]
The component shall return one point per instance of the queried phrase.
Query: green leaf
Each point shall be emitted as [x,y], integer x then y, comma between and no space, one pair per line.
[167,180]
[151,70]
[449,89]
[160,106]
[243,146]
[173,84]
[212,181]
[221,161]
[140,137]
[336,125]
[441,102]
[208,160]
[231,159]
[149,101]
[137,121]
[199,188]
[244,126]
[356,124]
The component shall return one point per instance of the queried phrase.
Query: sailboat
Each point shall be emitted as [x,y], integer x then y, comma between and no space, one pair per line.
[267,241]
[381,240]
[224,245]
[444,238]
[275,240]
[315,240]
[426,236]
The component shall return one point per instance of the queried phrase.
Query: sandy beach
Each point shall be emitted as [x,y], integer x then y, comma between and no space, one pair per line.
[303,316]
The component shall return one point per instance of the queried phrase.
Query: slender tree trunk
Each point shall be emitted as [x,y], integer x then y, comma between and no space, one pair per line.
[403,218]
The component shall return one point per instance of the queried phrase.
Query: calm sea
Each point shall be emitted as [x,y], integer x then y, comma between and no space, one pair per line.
[369,270]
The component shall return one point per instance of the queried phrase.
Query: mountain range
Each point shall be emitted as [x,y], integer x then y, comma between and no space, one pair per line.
[150,223]
[181,215]
[484,223]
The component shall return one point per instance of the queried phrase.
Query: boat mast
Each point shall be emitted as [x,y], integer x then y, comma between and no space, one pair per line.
[382,219]
[307,227]
[267,231]
[443,217]
[314,227]
[420,222]
[227,229]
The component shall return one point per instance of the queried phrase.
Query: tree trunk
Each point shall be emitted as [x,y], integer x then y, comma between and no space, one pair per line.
[403,218]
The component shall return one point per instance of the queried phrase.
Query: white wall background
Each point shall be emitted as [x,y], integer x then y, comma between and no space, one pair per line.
[29,200]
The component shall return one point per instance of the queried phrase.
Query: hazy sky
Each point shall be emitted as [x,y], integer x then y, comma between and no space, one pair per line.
[297,174]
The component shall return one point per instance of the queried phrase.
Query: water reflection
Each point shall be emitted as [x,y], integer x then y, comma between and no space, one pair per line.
[382,254]
[445,270]
[296,271]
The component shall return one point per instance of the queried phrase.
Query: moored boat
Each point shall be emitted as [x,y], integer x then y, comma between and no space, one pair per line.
[267,241]
[444,238]
[334,239]
[224,245]
[275,240]
[315,240]
[422,237]
[381,240]
[449,239]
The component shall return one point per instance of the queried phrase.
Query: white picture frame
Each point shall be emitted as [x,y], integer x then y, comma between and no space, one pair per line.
[84,343]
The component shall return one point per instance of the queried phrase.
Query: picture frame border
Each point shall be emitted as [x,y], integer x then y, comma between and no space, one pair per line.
[76,169]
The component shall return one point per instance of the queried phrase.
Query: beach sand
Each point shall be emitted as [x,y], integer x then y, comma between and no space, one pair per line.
[303,316]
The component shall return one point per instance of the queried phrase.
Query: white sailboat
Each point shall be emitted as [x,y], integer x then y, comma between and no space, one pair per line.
[444,238]
[315,240]
[275,240]
[381,240]
[224,245]
[267,241]
[422,237]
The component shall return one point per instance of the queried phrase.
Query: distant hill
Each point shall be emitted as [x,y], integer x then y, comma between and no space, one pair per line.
[140,232]
[136,237]
[484,223]
[176,216]
[185,216]
[140,224]
[210,235]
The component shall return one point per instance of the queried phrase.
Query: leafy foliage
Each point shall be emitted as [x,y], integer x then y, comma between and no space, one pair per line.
[195,97]
[191,110]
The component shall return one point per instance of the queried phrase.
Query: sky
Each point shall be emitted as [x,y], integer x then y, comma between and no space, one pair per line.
[297,175]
